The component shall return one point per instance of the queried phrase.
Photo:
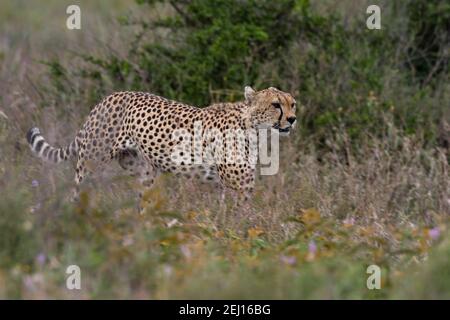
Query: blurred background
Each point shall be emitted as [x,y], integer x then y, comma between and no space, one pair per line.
[363,180]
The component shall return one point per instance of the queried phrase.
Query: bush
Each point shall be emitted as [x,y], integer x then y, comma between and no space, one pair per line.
[429,23]
[350,79]
[208,48]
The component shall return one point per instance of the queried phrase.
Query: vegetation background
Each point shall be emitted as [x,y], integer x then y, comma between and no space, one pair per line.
[364,180]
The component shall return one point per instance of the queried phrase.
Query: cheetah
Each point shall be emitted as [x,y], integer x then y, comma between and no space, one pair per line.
[137,129]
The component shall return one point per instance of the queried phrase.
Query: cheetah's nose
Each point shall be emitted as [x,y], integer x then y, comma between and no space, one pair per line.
[291,120]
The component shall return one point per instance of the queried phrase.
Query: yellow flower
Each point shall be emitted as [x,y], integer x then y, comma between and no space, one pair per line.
[310,216]
[253,233]
[192,215]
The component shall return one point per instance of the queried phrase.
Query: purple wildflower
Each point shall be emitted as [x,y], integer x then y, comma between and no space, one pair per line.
[290,260]
[35,183]
[434,233]
[40,259]
[312,247]
[349,221]
[29,283]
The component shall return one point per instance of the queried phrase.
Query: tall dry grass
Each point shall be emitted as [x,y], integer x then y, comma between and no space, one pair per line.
[309,232]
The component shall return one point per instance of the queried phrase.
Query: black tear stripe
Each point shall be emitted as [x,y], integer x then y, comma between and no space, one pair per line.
[281,111]
[39,146]
[287,102]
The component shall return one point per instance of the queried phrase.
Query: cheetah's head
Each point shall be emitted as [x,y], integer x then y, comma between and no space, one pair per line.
[271,108]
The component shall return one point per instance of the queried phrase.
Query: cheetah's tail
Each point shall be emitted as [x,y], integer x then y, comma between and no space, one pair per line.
[45,151]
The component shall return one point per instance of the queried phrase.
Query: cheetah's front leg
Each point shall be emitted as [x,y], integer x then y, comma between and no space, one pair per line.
[241,179]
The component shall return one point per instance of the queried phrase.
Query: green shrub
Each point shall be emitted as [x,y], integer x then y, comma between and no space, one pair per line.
[429,25]
[351,80]
[18,243]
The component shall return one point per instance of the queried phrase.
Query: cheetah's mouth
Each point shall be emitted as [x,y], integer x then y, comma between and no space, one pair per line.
[281,130]
[287,129]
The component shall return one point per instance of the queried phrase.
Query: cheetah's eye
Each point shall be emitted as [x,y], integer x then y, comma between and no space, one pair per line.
[276,105]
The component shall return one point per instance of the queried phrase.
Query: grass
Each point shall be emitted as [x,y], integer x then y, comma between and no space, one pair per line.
[310,231]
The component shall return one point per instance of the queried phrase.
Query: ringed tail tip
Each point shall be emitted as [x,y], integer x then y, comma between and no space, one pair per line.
[31,133]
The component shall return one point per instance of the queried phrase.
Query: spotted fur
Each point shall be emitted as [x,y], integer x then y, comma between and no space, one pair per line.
[135,128]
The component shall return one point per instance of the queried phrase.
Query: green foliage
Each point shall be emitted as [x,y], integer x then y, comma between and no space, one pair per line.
[17,239]
[125,254]
[431,282]
[429,24]
[57,73]
[351,80]
[211,47]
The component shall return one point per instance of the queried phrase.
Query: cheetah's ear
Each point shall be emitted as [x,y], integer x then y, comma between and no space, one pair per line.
[249,94]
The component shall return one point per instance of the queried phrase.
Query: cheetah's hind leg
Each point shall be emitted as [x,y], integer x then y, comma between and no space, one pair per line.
[136,166]
[85,166]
